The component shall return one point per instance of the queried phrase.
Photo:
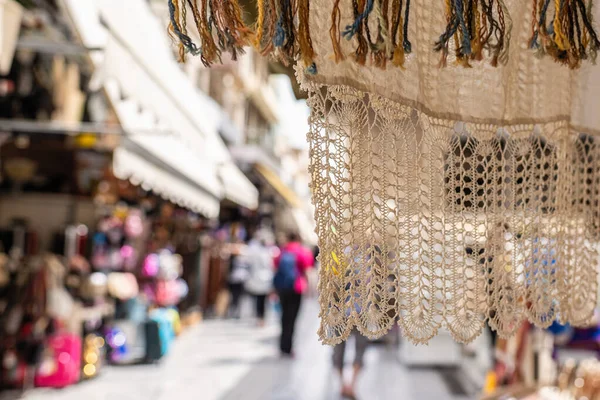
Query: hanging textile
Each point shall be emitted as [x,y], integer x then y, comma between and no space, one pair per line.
[454,156]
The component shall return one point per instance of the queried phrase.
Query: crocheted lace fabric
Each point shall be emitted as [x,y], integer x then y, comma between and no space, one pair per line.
[448,197]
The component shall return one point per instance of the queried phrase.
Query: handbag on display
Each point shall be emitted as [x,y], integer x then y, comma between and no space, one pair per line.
[122,285]
[134,224]
[175,319]
[134,310]
[151,266]
[168,293]
[59,303]
[126,341]
[159,334]
[170,265]
[154,348]
[129,255]
[61,361]
[94,286]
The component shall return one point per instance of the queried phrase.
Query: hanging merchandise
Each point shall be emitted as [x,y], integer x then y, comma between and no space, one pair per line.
[94,287]
[59,302]
[164,268]
[126,341]
[438,126]
[61,362]
[122,285]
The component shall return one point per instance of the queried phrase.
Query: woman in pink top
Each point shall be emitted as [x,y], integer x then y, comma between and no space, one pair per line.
[291,297]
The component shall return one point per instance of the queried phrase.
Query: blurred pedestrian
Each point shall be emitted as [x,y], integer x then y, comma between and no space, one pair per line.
[238,275]
[261,271]
[339,351]
[290,282]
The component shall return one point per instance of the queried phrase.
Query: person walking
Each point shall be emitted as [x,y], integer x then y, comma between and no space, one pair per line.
[290,282]
[238,276]
[339,351]
[261,271]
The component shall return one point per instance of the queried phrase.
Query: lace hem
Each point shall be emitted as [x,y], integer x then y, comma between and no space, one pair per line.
[433,223]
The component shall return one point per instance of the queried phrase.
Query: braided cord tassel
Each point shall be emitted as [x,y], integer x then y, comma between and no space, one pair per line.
[570,37]
[335,32]
[307,53]
[177,28]
[562,29]
[397,33]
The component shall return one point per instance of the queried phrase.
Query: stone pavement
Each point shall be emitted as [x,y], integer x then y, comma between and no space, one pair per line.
[231,360]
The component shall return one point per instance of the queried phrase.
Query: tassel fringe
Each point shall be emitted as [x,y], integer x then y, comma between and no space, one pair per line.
[379,31]
[475,26]
[563,30]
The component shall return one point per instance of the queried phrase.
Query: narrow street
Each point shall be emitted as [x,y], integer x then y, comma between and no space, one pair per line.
[230,360]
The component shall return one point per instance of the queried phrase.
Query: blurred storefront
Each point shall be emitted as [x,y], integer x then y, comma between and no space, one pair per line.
[110,189]
[122,193]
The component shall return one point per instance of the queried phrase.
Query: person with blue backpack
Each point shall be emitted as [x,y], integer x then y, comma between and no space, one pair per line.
[291,283]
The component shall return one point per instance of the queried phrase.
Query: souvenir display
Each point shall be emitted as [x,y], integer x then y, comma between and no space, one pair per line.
[122,285]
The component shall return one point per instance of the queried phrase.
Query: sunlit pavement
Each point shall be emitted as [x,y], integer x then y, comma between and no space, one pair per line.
[230,360]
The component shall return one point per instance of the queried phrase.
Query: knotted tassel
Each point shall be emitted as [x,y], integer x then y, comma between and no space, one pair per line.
[451,28]
[559,36]
[266,26]
[358,6]
[234,34]
[397,35]
[210,53]
[533,42]
[570,37]
[381,48]
[177,28]
[351,30]
[335,32]
[474,24]
[285,32]
[307,52]
[506,25]
[465,48]
[405,42]
[586,19]
[501,27]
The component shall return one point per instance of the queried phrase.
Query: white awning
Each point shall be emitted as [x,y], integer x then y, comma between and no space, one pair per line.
[149,90]
[237,187]
[135,167]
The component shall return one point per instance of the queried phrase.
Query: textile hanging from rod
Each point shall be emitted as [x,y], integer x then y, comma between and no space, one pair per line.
[454,150]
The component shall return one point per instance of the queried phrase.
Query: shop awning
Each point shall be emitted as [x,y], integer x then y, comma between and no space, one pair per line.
[150,90]
[237,187]
[133,163]
[276,183]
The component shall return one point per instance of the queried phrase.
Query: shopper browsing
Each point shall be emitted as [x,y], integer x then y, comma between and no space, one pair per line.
[290,283]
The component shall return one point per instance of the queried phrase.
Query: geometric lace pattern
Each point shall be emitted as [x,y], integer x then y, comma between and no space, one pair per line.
[432,223]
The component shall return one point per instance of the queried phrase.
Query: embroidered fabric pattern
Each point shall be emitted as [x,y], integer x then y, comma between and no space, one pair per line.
[432,223]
